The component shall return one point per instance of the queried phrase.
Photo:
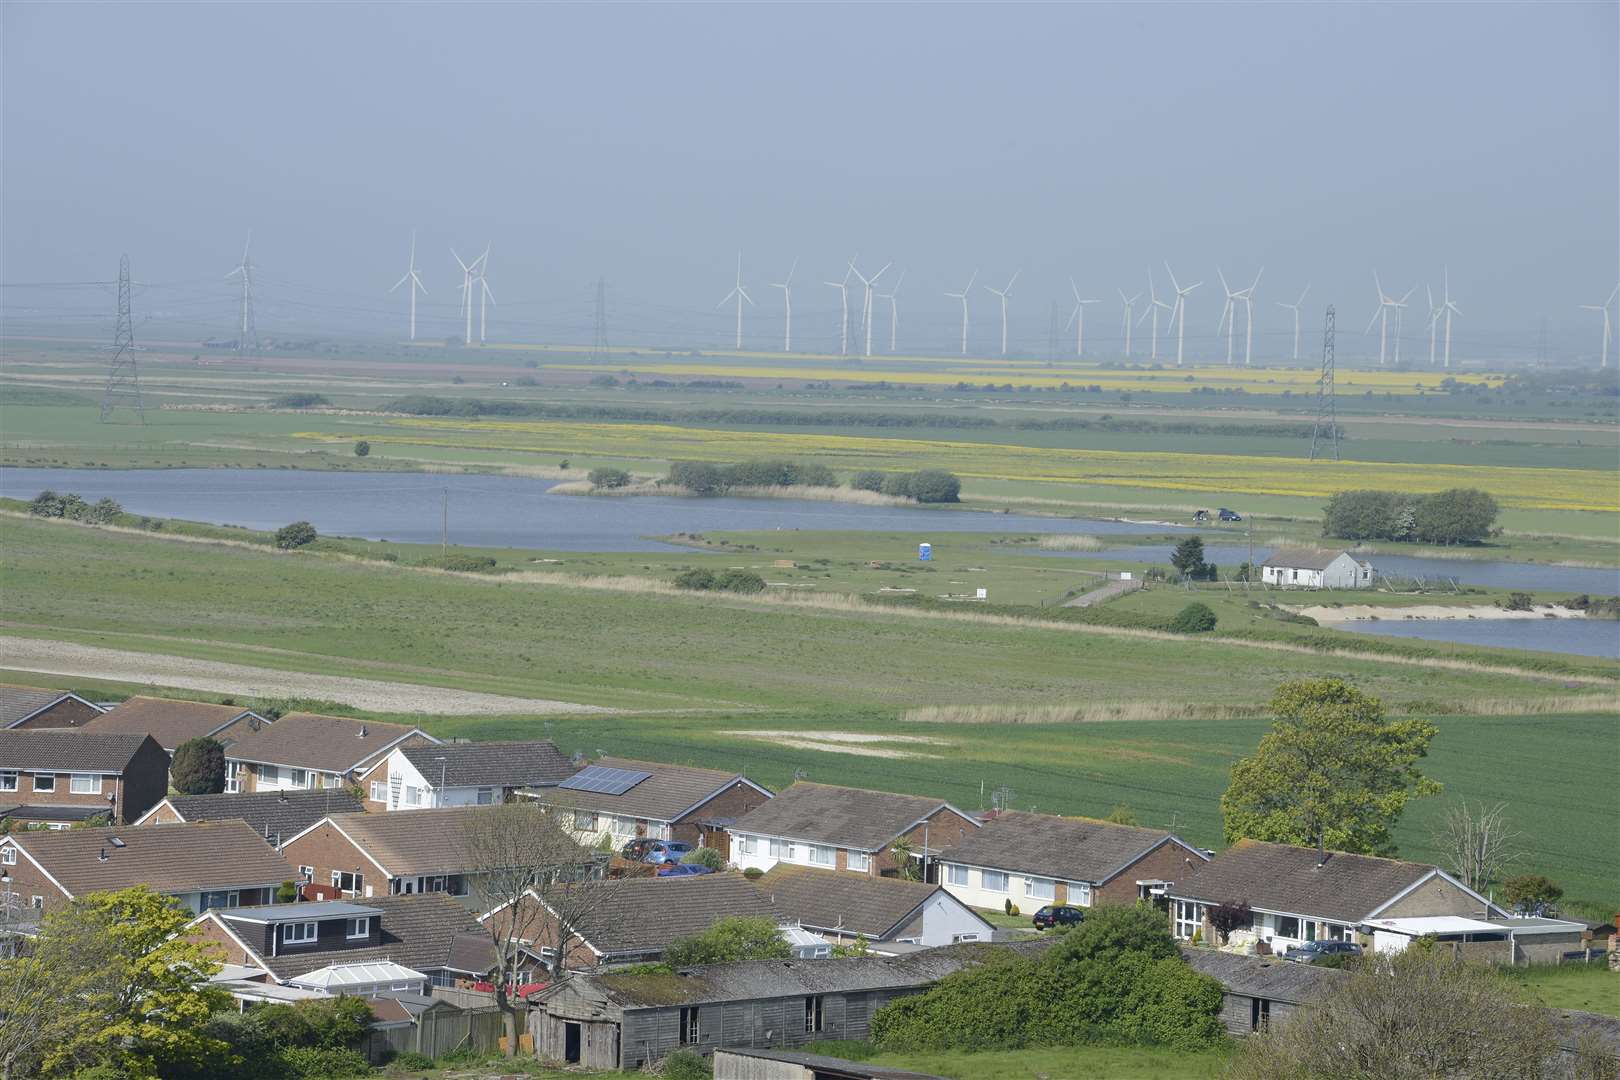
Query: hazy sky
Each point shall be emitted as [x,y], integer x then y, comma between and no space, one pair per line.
[648,143]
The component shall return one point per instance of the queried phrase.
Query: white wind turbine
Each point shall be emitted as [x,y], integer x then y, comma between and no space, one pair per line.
[1003,294]
[1130,306]
[787,307]
[1381,317]
[1078,318]
[894,308]
[843,297]
[1400,320]
[1608,326]
[469,273]
[963,296]
[741,294]
[1154,304]
[1178,314]
[416,283]
[485,297]
[1448,308]
[866,301]
[1228,318]
[1295,307]
[1434,320]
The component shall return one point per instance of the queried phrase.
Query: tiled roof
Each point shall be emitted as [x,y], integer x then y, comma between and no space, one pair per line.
[491,764]
[670,791]
[427,841]
[1302,558]
[67,750]
[836,900]
[646,914]
[310,741]
[208,856]
[419,931]
[1069,849]
[843,817]
[18,703]
[168,721]
[1262,976]
[1280,877]
[271,814]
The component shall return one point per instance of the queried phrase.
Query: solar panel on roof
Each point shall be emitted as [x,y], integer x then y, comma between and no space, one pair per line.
[603,780]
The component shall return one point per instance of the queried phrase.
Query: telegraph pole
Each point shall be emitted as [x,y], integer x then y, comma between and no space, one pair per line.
[1326,405]
[123,375]
[444,540]
[599,342]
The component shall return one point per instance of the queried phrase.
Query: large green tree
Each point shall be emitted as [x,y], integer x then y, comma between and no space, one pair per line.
[1333,770]
[198,767]
[1456,516]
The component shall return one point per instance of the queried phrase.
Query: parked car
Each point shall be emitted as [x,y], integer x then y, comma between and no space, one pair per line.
[636,850]
[1058,915]
[1312,951]
[1230,515]
[1200,516]
[682,870]
[666,851]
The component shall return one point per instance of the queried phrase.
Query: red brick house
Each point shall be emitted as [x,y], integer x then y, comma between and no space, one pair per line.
[845,829]
[370,855]
[61,776]
[1036,859]
[32,707]
[205,865]
[308,750]
[274,815]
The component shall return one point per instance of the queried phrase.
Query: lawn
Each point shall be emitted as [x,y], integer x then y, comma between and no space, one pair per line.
[1045,1063]
[1588,987]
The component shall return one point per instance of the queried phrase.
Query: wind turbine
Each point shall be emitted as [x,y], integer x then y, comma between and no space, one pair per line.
[1381,317]
[1178,314]
[1130,305]
[416,283]
[894,308]
[1400,319]
[1228,316]
[485,297]
[1448,308]
[787,307]
[1153,309]
[1003,294]
[866,303]
[741,294]
[843,296]
[1078,317]
[245,269]
[469,273]
[1608,326]
[963,296]
[1294,307]
[1248,317]
[1434,320]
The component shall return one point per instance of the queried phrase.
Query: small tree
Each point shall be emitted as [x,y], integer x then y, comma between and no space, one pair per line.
[1193,619]
[903,852]
[1225,918]
[739,581]
[608,478]
[362,448]
[296,535]
[198,767]
[867,480]
[1188,558]
[935,486]
[1457,516]
[698,477]
[1519,601]
[1533,894]
[728,940]
[696,578]
[1477,843]
[46,504]
[1122,815]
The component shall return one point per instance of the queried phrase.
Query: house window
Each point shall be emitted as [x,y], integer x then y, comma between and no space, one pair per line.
[957,939]
[1335,932]
[82,784]
[269,774]
[307,873]
[486,796]
[37,903]
[413,795]
[1189,919]
[233,777]
[300,778]
[812,1013]
[44,781]
[379,791]
[355,929]
[584,821]
[1259,1014]
[8,856]
[220,900]
[348,882]
[859,861]
[956,874]
[992,881]
[689,1026]
[821,856]
[1039,888]
[298,933]
[745,845]
[1080,893]
[8,780]
[1287,926]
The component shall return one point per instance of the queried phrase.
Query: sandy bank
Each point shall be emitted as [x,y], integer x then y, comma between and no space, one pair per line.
[1359,612]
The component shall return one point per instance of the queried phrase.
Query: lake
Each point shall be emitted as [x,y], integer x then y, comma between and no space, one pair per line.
[1584,637]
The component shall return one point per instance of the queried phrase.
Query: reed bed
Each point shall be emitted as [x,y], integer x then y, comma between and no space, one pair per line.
[1059,542]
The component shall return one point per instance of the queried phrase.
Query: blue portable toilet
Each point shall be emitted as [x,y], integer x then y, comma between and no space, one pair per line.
[925,552]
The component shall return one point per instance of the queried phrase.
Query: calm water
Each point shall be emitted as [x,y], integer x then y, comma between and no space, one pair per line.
[488,511]
[1594,637]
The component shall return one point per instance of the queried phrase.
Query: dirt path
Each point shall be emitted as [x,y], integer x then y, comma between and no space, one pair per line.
[241,680]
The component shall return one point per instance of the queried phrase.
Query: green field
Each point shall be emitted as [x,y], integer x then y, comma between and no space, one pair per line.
[1110,1062]
[1589,987]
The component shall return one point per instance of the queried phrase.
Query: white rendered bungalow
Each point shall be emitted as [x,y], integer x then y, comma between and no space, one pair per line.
[1307,568]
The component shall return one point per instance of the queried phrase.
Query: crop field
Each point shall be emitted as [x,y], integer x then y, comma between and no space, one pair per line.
[1204,474]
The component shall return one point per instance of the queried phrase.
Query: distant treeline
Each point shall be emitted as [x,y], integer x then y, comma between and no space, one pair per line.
[426,405]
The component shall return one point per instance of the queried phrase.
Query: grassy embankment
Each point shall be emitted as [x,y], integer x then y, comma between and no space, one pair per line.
[701,672]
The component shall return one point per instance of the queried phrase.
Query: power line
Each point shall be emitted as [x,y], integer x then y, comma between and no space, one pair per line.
[1326,403]
[599,342]
[123,374]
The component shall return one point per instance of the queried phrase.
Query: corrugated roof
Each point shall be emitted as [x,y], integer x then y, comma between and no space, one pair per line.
[18,703]
[1303,558]
[208,856]
[1280,877]
[1065,848]
[845,817]
[1262,976]
[67,750]
[301,740]
[491,764]
[671,790]
[168,721]
[276,815]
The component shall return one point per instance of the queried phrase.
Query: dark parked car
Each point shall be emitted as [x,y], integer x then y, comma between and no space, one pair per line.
[1230,515]
[684,869]
[1057,915]
[1312,951]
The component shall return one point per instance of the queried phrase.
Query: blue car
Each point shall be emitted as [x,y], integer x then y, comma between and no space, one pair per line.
[666,851]
[683,870]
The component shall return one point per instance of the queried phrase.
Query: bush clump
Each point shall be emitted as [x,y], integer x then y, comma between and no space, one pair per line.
[867,480]
[608,478]
[1195,618]
[926,486]
[1455,516]
[362,448]
[739,581]
[696,578]
[461,563]
[703,478]
[70,506]
[298,401]
[706,856]
[296,535]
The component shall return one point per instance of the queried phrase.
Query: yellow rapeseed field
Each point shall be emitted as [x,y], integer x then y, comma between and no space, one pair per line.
[1560,489]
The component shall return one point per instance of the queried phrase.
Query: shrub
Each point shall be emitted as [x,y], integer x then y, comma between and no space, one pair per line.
[296,535]
[608,478]
[740,581]
[695,578]
[198,767]
[1226,918]
[706,856]
[737,937]
[287,892]
[103,512]
[323,1063]
[1531,893]
[935,486]
[867,480]
[698,477]
[298,401]
[410,1059]
[753,873]
[684,1064]
[1519,601]
[46,504]
[897,484]
[1457,516]
[1193,619]
[461,563]
[362,448]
